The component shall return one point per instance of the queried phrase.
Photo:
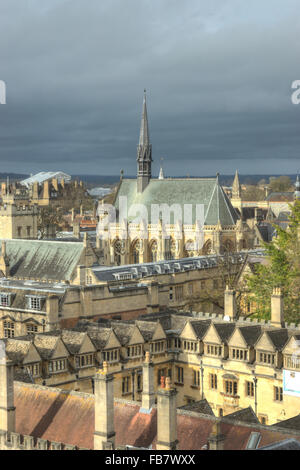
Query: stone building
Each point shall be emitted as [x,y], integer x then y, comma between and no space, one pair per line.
[18,218]
[232,363]
[34,417]
[51,284]
[187,232]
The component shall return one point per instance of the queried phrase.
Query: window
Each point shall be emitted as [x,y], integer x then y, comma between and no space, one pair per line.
[139,382]
[179,375]
[250,389]
[161,373]
[190,346]
[171,293]
[134,351]
[177,343]
[84,360]
[111,355]
[31,328]
[89,279]
[196,378]
[213,350]
[28,228]
[278,395]
[179,292]
[157,347]
[202,284]
[34,302]
[213,381]
[215,284]
[239,354]
[266,358]
[5,300]
[191,289]
[125,385]
[19,231]
[57,366]
[8,329]
[292,362]
[33,369]
[231,387]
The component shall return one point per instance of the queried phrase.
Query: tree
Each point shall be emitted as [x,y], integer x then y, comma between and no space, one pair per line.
[49,220]
[253,193]
[282,270]
[280,184]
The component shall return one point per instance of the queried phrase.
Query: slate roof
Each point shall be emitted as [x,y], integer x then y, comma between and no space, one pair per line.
[16,351]
[41,259]
[278,337]
[245,415]
[250,334]
[206,191]
[201,406]
[281,196]
[45,345]
[200,327]
[224,330]
[292,423]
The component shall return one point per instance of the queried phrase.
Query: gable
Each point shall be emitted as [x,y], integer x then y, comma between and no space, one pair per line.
[211,336]
[60,350]
[188,332]
[265,343]
[112,342]
[158,333]
[87,346]
[136,337]
[237,339]
[32,355]
[292,346]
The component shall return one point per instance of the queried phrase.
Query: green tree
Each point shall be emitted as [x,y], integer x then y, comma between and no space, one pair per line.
[282,183]
[282,269]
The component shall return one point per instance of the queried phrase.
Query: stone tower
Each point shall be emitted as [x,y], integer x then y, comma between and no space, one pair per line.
[144,152]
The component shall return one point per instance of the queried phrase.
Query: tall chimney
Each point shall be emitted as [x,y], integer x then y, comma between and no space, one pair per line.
[104,435]
[216,438]
[148,396]
[7,408]
[277,317]
[166,417]
[230,303]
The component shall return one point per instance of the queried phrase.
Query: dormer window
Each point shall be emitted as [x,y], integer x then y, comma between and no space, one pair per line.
[266,358]
[5,300]
[213,350]
[134,351]
[239,354]
[34,302]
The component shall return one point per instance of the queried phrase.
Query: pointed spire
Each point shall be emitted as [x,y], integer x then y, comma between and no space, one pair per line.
[236,187]
[144,152]
[144,133]
[161,171]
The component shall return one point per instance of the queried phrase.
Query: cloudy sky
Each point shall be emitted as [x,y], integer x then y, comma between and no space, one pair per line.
[218,76]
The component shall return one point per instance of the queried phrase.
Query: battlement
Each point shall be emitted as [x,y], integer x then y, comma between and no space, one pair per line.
[16,441]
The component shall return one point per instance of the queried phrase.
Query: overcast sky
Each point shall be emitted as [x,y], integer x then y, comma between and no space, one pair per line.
[218,75]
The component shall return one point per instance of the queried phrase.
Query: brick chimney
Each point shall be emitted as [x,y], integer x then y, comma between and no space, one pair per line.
[148,396]
[216,438]
[166,417]
[277,318]
[230,304]
[104,435]
[7,408]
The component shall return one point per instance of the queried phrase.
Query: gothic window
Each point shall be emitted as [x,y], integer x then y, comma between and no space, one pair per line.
[135,252]
[153,251]
[172,248]
[117,252]
[228,246]
[207,248]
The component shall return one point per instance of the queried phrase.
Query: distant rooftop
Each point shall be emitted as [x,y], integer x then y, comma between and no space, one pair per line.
[45,176]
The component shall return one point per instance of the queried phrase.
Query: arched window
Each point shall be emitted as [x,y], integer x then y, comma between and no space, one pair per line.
[135,252]
[207,248]
[153,251]
[228,246]
[117,252]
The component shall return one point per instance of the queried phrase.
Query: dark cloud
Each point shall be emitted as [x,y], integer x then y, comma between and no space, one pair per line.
[218,75]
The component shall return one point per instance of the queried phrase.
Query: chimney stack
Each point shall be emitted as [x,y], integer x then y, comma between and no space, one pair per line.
[216,438]
[104,435]
[148,396]
[166,417]
[7,408]
[277,318]
[230,304]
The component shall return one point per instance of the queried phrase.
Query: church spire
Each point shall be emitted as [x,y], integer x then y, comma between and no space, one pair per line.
[236,187]
[144,152]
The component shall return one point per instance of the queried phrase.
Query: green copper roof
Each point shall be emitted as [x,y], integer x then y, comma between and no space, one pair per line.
[206,191]
[39,259]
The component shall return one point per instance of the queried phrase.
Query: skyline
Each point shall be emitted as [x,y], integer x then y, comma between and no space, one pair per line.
[218,80]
